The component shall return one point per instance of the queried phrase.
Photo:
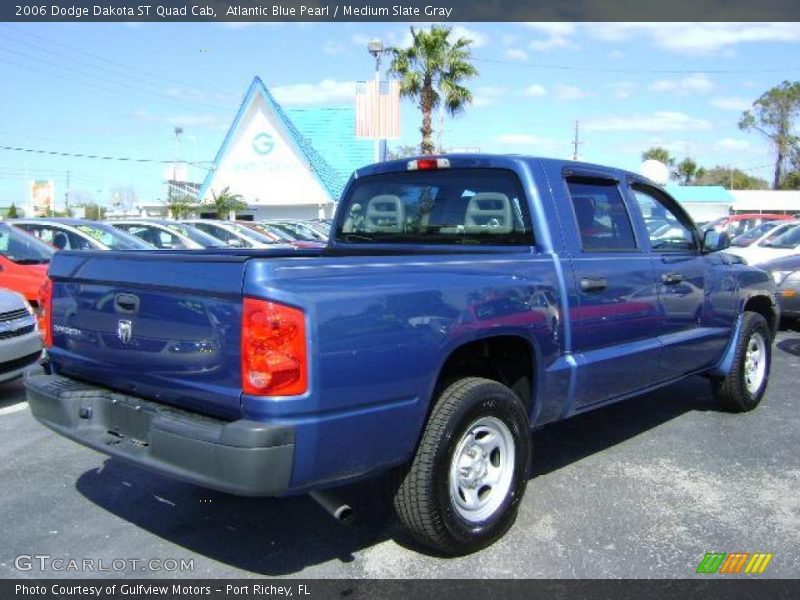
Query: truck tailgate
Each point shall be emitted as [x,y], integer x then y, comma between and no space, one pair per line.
[164,326]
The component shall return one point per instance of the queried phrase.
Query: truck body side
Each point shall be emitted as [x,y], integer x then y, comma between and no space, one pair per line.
[386,326]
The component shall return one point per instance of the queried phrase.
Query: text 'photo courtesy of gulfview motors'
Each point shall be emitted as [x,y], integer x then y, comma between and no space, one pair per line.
[353,297]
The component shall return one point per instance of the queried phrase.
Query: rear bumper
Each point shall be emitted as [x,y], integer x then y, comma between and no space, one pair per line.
[243,457]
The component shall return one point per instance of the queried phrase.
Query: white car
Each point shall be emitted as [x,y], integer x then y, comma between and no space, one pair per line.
[168,235]
[783,240]
[231,233]
[80,234]
[20,342]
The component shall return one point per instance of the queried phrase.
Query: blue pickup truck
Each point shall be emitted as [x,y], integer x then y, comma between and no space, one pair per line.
[461,302]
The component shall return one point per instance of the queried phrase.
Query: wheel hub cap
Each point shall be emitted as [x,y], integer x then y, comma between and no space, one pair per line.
[482,469]
[755,362]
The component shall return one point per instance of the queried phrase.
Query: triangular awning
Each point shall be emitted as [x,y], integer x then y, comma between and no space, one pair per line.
[266,159]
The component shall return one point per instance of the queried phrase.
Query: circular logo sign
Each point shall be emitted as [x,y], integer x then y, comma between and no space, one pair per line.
[263,143]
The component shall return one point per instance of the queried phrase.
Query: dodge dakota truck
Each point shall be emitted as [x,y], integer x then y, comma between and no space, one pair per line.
[462,302]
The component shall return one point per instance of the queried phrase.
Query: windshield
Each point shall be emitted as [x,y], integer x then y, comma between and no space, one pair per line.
[448,206]
[787,239]
[751,236]
[112,237]
[291,233]
[194,234]
[22,248]
[251,233]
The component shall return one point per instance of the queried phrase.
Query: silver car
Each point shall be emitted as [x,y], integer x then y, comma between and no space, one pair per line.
[20,343]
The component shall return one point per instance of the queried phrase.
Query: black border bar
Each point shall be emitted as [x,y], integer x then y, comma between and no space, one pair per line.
[701,587]
[399,10]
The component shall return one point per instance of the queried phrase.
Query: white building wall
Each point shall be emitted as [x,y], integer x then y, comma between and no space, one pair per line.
[262,165]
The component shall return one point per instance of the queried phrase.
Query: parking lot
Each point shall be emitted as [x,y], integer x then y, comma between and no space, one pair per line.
[640,489]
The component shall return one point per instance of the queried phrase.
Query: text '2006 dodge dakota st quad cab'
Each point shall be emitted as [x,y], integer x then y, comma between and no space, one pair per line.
[461,302]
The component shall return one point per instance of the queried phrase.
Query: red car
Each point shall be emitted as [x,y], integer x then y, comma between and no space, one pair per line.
[23,262]
[738,224]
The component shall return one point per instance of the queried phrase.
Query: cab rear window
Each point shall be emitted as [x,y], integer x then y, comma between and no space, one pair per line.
[449,206]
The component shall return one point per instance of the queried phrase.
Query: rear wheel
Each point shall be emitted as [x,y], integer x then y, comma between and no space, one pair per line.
[744,386]
[463,488]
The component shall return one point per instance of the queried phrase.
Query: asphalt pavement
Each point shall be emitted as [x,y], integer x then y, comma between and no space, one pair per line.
[641,489]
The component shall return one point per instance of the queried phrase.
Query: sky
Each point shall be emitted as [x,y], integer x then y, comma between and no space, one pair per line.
[120,90]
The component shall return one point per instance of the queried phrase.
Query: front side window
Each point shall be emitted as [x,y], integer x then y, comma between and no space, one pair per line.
[446,206]
[667,229]
[603,221]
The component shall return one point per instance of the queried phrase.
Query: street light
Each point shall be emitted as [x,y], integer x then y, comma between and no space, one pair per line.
[375,47]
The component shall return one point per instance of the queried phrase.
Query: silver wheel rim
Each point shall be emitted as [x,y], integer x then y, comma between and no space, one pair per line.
[755,362]
[482,469]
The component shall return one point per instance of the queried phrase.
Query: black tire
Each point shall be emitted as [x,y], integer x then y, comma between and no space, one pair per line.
[732,391]
[424,501]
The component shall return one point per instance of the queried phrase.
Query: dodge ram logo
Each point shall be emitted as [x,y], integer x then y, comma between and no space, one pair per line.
[124,330]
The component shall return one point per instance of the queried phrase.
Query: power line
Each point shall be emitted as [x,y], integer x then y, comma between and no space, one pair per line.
[556,67]
[100,157]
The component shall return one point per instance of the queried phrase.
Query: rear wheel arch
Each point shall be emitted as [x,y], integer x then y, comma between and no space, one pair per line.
[509,359]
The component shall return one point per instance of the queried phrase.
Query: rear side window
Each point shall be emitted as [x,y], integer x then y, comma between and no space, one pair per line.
[601,216]
[448,206]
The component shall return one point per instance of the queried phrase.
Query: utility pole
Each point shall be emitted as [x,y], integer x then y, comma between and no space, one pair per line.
[577,141]
[376,49]
[440,149]
[66,197]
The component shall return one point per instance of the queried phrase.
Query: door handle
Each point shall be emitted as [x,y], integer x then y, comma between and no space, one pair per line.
[593,284]
[671,278]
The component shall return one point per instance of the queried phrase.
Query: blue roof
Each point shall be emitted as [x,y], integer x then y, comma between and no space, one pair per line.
[332,131]
[699,193]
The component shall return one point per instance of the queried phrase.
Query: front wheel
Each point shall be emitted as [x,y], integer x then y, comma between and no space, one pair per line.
[463,488]
[743,387]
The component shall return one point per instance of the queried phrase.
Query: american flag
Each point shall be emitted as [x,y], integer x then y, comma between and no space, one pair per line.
[378,110]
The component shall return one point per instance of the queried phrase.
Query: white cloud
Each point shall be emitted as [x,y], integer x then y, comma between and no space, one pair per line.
[487,95]
[570,92]
[516,54]
[733,144]
[622,90]
[695,38]
[478,38]
[679,38]
[697,83]
[325,92]
[557,35]
[732,103]
[509,39]
[535,90]
[332,47]
[657,121]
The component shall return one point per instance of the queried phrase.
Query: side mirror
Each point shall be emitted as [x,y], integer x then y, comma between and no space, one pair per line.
[714,241]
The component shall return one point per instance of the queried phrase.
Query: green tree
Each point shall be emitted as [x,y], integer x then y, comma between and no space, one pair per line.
[687,171]
[730,179]
[12,211]
[660,154]
[402,152]
[225,202]
[94,212]
[432,71]
[773,116]
[180,207]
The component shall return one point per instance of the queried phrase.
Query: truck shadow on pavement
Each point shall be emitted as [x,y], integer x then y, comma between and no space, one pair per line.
[282,536]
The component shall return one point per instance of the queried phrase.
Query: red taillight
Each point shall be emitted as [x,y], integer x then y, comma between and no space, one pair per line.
[427,164]
[46,312]
[274,361]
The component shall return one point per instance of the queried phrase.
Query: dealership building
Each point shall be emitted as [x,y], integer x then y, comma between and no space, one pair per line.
[286,163]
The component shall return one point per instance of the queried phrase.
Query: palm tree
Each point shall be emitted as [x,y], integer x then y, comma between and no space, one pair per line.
[432,70]
[226,203]
[180,207]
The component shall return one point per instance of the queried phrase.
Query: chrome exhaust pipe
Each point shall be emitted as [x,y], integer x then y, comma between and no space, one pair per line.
[339,510]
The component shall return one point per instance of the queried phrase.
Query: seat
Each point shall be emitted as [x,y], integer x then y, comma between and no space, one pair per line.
[488,212]
[385,213]
[60,240]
